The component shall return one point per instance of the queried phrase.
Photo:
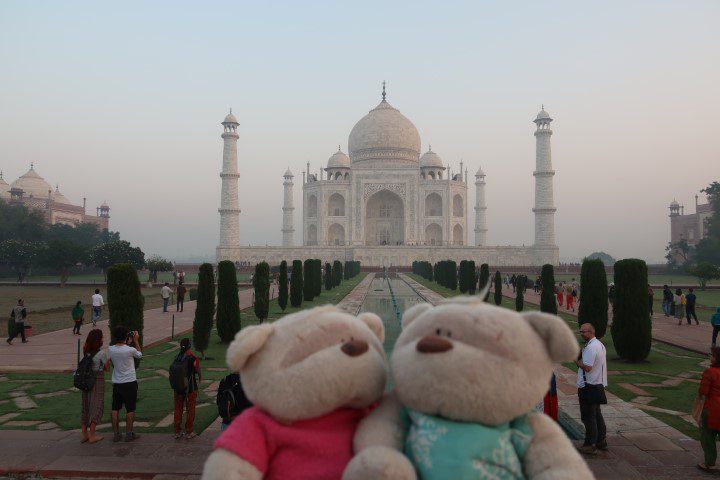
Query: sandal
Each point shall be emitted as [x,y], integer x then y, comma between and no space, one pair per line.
[177,436]
[190,435]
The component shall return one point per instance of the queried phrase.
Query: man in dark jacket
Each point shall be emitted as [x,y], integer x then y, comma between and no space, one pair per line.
[667,300]
[690,299]
[19,314]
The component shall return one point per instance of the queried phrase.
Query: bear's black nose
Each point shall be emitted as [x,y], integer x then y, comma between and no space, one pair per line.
[354,348]
[433,344]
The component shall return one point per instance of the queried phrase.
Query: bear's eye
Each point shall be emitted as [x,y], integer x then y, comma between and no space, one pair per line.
[438,332]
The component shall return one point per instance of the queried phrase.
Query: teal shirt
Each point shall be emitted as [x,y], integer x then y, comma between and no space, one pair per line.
[444,449]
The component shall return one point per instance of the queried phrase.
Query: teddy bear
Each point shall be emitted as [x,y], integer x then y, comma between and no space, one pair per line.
[312,377]
[466,376]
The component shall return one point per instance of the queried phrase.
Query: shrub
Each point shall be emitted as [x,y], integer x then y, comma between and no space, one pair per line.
[462,277]
[548,304]
[125,301]
[261,283]
[205,308]
[593,307]
[520,293]
[296,284]
[328,277]
[631,328]
[283,286]
[228,303]
[497,296]
[337,273]
[484,279]
[470,277]
[308,278]
[317,274]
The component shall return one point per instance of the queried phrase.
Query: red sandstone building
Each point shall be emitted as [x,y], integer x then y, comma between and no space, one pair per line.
[34,192]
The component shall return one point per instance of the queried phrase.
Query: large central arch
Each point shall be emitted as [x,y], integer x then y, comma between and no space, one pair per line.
[384,219]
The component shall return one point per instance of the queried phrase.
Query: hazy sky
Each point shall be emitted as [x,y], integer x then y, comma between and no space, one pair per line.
[122,102]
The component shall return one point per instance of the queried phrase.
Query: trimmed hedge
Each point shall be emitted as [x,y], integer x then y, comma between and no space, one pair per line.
[328,277]
[309,280]
[593,292]
[497,296]
[296,284]
[548,303]
[125,300]
[283,286]
[631,328]
[228,303]
[484,279]
[204,309]
[520,293]
[261,283]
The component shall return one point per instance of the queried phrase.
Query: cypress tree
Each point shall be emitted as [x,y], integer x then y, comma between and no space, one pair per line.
[308,278]
[631,328]
[484,279]
[452,275]
[593,308]
[462,277]
[520,293]
[125,300]
[296,284]
[548,304]
[204,309]
[283,286]
[497,296]
[328,277]
[318,281]
[228,303]
[336,273]
[261,283]
[470,277]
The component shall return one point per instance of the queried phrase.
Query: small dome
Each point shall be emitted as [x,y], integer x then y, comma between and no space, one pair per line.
[288,173]
[59,197]
[674,204]
[338,160]
[480,172]
[32,184]
[230,118]
[543,115]
[431,159]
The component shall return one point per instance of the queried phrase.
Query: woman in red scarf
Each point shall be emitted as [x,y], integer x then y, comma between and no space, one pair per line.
[710,418]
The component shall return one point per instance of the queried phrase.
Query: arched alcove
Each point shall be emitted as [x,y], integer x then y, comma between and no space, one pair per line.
[433,234]
[336,205]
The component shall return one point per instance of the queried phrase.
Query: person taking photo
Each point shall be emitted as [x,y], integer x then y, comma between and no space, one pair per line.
[124,380]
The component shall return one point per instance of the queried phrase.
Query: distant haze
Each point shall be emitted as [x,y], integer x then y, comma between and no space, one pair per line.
[122,102]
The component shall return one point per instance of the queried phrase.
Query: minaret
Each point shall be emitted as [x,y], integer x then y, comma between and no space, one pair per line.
[544,200]
[288,227]
[480,209]
[229,208]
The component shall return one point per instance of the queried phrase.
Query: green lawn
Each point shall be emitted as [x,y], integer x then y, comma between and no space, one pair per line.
[155,396]
[664,362]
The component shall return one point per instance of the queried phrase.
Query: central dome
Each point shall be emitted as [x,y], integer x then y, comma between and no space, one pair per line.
[384,134]
[32,184]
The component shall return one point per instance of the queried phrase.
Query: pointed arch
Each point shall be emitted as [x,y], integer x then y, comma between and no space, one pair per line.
[457,235]
[433,234]
[336,205]
[433,205]
[458,206]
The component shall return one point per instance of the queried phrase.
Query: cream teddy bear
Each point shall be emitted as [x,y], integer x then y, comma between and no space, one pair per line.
[466,376]
[312,376]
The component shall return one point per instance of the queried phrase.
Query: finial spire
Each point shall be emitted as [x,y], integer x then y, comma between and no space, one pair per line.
[429,148]
[383,92]
[230,110]
[32,166]
[542,107]
[1,175]
[338,147]
[57,188]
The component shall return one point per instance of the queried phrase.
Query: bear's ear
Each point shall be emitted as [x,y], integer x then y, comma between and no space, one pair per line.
[374,323]
[248,342]
[559,339]
[413,312]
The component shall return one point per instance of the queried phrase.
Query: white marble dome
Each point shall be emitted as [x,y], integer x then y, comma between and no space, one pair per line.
[385,134]
[230,118]
[32,184]
[543,115]
[431,159]
[338,160]
[59,197]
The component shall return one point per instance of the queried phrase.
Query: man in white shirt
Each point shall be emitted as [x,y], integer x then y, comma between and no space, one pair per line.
[592,380]
[165,292]
[124,380]
[97,304]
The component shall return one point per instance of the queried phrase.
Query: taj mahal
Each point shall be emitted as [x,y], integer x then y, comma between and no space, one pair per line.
[386,204]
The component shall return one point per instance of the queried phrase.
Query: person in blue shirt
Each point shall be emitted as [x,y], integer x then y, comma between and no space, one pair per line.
[715,322]
[690,299]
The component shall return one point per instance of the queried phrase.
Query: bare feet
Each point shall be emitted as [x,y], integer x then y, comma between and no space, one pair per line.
[84,439]
[96,438]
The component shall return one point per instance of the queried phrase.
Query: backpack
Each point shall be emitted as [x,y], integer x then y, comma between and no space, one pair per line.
[179,373]
[231,399]
[84,377]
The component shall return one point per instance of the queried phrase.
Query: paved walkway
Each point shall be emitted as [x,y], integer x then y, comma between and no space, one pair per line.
[56,352]
[641,446]
[354,300]
[696,338]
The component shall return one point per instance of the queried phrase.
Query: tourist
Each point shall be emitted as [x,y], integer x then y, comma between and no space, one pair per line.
[174,275]
[560,294]
[97,304]
[124,380]
[507,280]
[591,382]
[93,401]
[165,292]
[679,302]
[187,399]
[231,399]
[181,290]
[537,285]
[667,300]
[651,299]
[19,314]
[611,294]
[710,418]
[715,322]
[77,315]
[569,297]
[690,300]
[513,280]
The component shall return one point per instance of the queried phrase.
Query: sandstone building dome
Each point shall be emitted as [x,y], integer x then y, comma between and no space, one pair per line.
[32,184]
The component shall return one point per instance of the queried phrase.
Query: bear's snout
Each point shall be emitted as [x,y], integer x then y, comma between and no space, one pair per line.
[355,348]
[433,344]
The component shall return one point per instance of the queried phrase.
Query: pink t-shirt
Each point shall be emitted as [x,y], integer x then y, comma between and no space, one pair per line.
[319,448]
